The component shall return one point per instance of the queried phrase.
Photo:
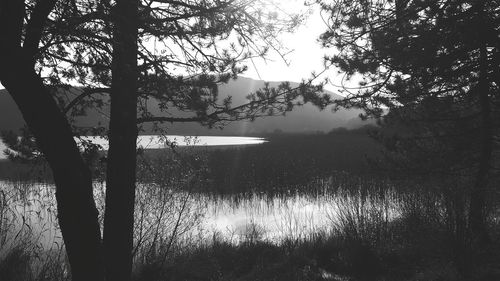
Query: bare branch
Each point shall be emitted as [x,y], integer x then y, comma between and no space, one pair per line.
[86,93]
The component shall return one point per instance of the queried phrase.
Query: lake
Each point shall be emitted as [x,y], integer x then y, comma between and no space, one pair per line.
[156,142]
[287,188]
[29,209]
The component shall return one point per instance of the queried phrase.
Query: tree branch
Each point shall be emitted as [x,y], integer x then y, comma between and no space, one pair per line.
[35,26]
[86,93]
[235,113]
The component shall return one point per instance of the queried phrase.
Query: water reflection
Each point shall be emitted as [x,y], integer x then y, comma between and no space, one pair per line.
[270,218]
[32,207]
[162,213]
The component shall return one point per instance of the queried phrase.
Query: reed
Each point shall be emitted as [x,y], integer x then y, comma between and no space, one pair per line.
[379,228]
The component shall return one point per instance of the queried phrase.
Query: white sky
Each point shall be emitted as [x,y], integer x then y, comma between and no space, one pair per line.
[306,54]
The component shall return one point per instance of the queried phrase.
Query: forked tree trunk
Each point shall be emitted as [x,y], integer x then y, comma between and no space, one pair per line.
[121,168]
[77,213]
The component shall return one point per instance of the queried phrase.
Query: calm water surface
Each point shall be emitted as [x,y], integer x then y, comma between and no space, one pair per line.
[28,215]
[31,207]
[155,142]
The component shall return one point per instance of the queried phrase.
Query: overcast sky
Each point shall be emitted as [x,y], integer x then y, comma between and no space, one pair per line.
[306,53]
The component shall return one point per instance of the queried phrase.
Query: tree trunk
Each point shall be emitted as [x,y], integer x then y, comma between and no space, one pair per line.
[121,168]
[77,213]
[477,216]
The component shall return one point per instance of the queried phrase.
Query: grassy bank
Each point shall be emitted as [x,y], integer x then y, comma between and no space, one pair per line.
[385,228]
[405,233]
[423,239]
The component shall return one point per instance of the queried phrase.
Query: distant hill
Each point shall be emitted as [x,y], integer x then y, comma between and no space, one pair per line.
[305,119]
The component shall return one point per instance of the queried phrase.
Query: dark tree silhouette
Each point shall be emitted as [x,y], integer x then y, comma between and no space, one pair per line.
[77,212]
[113,48]
[121,168]
[434,66]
